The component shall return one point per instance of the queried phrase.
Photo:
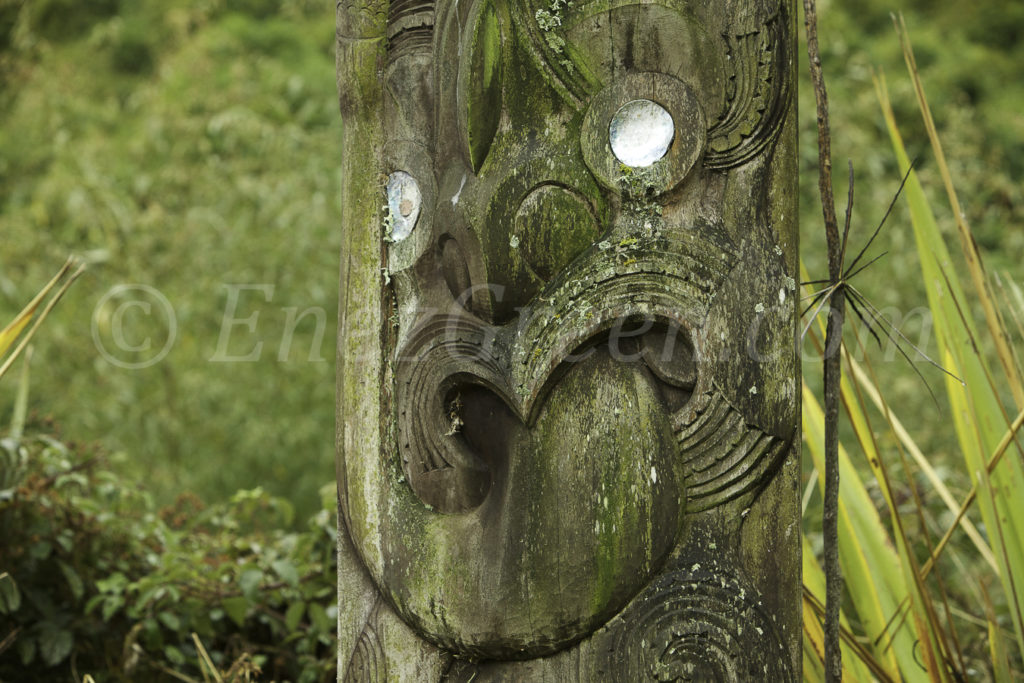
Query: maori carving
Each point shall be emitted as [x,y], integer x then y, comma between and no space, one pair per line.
[566,363]
[368,663]
[723,455]
[690,626]
[758,88]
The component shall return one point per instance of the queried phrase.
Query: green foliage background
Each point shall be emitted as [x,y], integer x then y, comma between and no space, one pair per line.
[969,59]
[185,146]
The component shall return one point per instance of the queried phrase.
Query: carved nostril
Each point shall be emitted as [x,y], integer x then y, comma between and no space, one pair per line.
[640,133]
[669,354]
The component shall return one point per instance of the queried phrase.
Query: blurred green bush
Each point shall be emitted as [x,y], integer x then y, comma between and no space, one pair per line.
[97,579]
[190,147]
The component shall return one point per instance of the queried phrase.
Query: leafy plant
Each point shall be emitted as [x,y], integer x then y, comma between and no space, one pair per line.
[908,617]
[96,579]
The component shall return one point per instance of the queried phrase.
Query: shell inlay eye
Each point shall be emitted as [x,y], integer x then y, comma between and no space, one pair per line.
[404,201]
[641,133]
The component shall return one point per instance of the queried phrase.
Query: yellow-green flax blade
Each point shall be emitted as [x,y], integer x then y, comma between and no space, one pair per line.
[976,411]
[858,662]
[871,566]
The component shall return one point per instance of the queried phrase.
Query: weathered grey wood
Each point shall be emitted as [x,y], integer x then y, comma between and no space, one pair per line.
[567,380]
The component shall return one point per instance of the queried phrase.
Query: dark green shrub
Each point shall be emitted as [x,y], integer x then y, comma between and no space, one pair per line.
[260,9]
[61,20]
[132,51]
[96,580]
[9,11]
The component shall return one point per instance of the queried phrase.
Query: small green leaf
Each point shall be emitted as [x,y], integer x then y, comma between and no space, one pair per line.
[114,583]
[151,628]
[249,582]
[294,615]
[317,614]
[66,538]
[170,620]
[27,650]
[10,596]
[54,643]
[73,579]
[236,608]
[111,605]
[286,570]
[93,602]
[174,655]
[40,550]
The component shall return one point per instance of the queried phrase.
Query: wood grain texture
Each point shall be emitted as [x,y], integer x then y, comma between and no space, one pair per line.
[567,410]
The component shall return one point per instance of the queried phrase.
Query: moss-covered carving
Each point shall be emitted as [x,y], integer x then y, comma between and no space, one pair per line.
[567,385]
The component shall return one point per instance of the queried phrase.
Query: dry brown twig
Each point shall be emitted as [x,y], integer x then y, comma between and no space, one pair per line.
[832,360]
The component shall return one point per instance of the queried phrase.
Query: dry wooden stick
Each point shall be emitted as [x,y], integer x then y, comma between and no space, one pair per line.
[832,360]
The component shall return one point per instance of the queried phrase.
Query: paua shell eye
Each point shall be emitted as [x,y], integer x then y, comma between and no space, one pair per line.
[480,83]
[640,133]
[404,201]
[644,120]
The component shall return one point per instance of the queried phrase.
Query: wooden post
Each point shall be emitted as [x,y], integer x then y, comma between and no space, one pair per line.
[568,386]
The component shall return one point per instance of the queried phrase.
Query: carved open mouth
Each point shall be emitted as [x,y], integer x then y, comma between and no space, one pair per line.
[642,300]
[479,424]
[464,386]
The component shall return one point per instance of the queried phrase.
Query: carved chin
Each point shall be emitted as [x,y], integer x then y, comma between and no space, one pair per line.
[500,581]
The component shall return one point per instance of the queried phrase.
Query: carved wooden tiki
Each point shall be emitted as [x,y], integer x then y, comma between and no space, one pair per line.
[567,377]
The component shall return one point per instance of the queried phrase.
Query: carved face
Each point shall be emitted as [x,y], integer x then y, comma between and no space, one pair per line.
[568,208]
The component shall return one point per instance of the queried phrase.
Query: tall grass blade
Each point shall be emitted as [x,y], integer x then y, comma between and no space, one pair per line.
[1013,302]
[871,566]
[996,644]
[976,411]
[967,243]
[936,645]
[21,399]
[868,387]
[13,330]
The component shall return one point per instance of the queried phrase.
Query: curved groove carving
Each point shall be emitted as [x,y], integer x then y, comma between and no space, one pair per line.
[367,664]
[480,77]
[723,455]
[440,354]
[695,625]
[410,27]
[541,46]
[758,95]
[667,279]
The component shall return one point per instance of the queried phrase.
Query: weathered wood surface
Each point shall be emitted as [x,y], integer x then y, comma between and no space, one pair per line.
[567,380]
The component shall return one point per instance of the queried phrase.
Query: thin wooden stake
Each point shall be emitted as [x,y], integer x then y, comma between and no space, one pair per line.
[832,361]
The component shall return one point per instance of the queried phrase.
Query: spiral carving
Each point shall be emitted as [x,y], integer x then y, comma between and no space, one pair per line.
[758,95]
[694,625]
